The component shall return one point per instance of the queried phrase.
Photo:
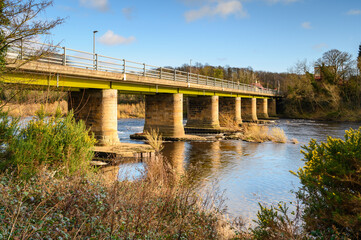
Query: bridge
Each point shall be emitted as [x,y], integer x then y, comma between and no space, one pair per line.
[93,82]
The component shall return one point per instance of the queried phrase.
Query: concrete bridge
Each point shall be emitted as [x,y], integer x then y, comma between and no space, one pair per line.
[93,82]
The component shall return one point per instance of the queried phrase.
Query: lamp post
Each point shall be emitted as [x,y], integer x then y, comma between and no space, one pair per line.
[190,65]
[94,32]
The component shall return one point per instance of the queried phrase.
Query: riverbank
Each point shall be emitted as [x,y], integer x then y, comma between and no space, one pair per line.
[345,115]
[48,189]
[124,110]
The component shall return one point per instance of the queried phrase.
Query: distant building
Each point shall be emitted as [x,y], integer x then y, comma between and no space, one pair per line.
[258,85]
[318,75]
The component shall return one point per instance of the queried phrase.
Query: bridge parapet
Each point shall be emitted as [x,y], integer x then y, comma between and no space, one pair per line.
[85,60]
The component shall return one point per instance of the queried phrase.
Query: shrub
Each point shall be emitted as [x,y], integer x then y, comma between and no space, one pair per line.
[277,223]
[80,207]
[59,143]
[331,186]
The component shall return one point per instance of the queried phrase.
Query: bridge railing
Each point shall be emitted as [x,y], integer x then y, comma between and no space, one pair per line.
[25,50]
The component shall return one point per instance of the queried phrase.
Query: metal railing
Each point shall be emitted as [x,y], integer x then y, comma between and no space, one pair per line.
[70,57]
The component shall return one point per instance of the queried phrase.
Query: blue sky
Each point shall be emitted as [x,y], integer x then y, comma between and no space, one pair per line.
[269,35]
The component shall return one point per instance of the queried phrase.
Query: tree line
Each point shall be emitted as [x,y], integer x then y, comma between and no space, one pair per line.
[329,88]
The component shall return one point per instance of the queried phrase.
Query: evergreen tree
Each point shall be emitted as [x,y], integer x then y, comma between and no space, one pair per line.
[359,59]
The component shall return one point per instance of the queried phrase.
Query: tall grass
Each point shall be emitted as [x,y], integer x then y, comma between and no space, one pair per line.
[154,139]
[261,133]
[155,207]
[30,109]
[227,121]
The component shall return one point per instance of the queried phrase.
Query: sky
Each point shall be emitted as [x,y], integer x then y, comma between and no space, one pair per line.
[267,35]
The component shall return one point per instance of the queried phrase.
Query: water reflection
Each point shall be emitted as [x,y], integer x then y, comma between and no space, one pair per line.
[249,172]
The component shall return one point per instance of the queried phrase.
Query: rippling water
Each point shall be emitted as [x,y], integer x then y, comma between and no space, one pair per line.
[248,172]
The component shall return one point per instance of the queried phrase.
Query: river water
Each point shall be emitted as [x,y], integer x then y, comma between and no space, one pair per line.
[249,173]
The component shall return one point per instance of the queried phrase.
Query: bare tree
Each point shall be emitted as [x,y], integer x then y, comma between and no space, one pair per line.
[20,21]
[340,64]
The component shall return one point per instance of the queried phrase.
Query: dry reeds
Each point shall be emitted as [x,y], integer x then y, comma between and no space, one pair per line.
[131,110]
[79,207]
[227,121]
[261,133]
[278,135]
[30,109]
[255,133]
[154,139]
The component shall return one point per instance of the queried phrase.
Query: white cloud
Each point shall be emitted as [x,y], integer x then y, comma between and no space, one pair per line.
[100,5]
[320,46]
[221,8]
[354,12]
[281,1]
[306,25]
[128,13]
[111,39]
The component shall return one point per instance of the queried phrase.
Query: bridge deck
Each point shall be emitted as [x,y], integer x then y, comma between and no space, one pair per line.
[72,72]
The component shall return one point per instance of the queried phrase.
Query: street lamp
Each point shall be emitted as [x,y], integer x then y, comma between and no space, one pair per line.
[190,65]
[94,32]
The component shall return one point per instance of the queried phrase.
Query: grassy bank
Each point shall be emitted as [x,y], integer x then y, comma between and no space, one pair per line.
[48,190]
[79,207]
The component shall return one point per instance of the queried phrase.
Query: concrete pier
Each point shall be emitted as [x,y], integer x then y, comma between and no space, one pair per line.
[249,109]
[272,107]
[230,107]
[98,109]
[262,108]
[203,112]
[164,112]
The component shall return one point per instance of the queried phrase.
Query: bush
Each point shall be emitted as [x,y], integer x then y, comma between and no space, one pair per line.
[59,143]
[81,207]
[277,223]
[331,191]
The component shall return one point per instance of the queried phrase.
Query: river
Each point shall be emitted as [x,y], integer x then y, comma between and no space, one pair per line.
[249,173]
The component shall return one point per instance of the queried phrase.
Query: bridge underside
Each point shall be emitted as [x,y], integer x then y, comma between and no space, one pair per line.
[93,96]
[71,83]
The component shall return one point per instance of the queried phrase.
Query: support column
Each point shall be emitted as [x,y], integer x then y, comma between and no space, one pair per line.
[98,109]
[230,107]
[164,112]
[262,108]
[249,109]
[203,112]
[272,107]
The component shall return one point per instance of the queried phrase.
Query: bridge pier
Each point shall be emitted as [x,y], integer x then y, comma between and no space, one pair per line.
[203,112]
[164,112]
[249,109]
[262,108]
[272,107]
[230,106]
[98,109]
